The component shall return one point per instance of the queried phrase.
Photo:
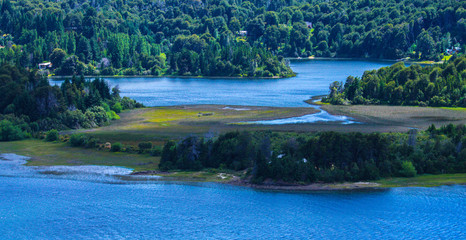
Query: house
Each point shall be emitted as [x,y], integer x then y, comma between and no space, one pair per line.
[309,25]
[453,50]
[242,33]
[43,66]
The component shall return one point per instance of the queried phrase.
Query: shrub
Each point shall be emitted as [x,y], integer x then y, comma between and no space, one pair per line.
[156,151]
[77,140]
[117,107]
[112,115]
[10,132]
[145,146]
[92,142]
[51,135]
[116,147]
[407,169]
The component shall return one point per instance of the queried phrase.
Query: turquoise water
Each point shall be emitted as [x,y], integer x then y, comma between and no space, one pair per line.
[82,204]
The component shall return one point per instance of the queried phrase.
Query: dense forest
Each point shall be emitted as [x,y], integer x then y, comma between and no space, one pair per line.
[29,104]
[221,37]
[433,85]
[326,156]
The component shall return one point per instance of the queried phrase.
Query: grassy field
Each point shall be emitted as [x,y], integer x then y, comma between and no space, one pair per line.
[425,180]
[159,124]
[47,154]
[399,118]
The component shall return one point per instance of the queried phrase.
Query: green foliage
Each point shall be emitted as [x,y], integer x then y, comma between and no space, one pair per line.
[407,169]
[156,151]
[144,146]
[51,135]
[34,105]
[117,147]
[205,37]
[78,139]
[117,107]
[433,85]
[326,156]
[10,132]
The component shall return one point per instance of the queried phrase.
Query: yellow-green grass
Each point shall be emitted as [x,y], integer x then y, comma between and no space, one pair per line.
[159,124]
[446,58]
[425,180]
[58,153]
[454,108]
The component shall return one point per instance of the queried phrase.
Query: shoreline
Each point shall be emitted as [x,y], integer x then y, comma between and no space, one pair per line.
[311,187]
[249,78]
[232,179]
[58,78]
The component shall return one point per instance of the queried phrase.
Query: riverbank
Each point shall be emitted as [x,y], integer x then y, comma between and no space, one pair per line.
[395,118]
[408,61]
[60,77]
[45,154]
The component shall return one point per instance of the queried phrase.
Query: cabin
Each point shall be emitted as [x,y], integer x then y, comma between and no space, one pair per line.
[453,50]
[242,33]
[309,25]
[43,66]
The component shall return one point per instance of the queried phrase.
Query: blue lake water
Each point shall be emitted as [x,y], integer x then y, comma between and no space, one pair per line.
[314,78]
[98,202]
[83,204]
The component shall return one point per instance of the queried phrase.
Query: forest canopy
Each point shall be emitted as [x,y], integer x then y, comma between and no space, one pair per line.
[221,37]
[29,104]
[433,85]
[323,157]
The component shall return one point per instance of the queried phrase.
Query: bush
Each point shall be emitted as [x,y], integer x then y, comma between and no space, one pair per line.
[407,169]
[156,151]
[51,135]
[112,115]
[117,107]
[77,140]
[116,147]
[143,146]
[10,132]
[92,142]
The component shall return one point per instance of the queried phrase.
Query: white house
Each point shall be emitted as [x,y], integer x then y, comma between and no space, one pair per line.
[43,66]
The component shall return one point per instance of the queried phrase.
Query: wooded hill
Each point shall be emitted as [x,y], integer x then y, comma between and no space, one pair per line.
[221,37]
[433,85]
[29,104]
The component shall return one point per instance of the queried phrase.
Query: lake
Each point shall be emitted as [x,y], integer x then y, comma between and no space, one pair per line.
[83,204]
[314,78]
[102,202]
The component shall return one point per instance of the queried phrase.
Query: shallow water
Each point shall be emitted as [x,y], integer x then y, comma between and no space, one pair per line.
[43,206]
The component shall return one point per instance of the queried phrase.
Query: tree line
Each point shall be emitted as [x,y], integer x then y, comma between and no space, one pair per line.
[323,157]
[221,37]
[433,85]
[29,104]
